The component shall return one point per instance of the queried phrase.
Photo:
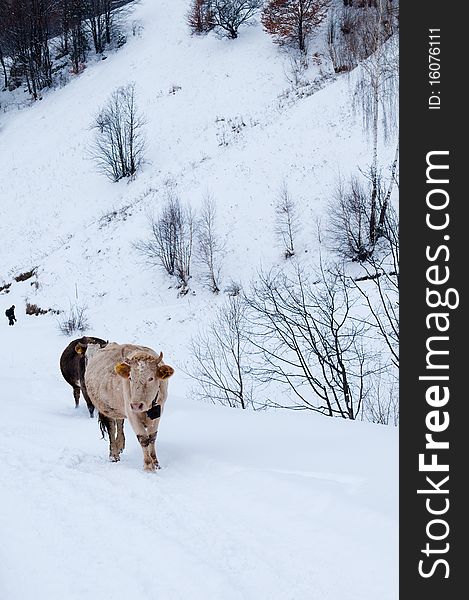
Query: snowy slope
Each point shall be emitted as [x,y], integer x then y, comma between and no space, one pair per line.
[55,203]
[247,505]
[270,505]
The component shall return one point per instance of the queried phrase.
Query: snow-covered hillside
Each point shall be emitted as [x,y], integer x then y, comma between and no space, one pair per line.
[268,505]
[248,505]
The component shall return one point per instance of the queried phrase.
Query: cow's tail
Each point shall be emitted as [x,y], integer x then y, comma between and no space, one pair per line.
[104,423]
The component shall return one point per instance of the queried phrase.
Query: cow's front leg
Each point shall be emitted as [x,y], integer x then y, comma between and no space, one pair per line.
[146,436]
[152,430]
[147,442]
[151,446]
[153,452]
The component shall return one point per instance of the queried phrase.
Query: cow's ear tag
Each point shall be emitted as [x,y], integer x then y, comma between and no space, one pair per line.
[80,349]
[164,372]
[122,369]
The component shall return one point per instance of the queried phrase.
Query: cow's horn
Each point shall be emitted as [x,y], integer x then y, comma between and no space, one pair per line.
[160,358]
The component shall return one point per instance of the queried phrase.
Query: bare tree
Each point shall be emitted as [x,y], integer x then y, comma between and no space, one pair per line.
[377,93]
[29,30]
[4,68]
[229,15]
[358,213]
[221,360]
[367,35]
[161,247]
[95,11]
[210,247]
[349,220]
[171,240]
[353,27]
[184,246]
[75,41]
[120,140]
[306,337]
[26,28]
[287,222]
[381,272]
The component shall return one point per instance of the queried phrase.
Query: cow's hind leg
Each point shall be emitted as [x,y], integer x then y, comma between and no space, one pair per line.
[108,426]
[89,404]
[76,394]
[84,391]
[120,438]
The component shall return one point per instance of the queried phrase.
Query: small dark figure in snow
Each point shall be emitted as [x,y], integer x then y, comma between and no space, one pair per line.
[10,313]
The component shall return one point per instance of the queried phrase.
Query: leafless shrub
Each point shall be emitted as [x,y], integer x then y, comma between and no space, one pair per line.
[171,241]
[297,67]
[209,245]
[234,288]
[75,321]
[120,141]
[26,275]
[358,213]
[383,407]
[137,28]
[287,222]
[34,309]
[349,220]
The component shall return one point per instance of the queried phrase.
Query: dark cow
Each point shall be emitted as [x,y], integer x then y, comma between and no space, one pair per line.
[73,365]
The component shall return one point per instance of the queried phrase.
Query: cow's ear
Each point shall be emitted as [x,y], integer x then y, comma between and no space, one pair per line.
[80,348]
[122,369]
[164,372]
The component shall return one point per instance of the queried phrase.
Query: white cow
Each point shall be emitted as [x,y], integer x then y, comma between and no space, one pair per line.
[128,381]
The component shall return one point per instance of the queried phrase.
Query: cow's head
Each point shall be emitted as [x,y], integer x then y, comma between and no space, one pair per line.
[145,374]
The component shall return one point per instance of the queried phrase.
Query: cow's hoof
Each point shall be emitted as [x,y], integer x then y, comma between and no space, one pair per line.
[114,458]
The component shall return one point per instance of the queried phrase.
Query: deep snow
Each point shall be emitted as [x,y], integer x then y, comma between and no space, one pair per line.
[270,505]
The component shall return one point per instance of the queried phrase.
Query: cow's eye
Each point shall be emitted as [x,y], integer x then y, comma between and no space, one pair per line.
[130,378]
[150,379]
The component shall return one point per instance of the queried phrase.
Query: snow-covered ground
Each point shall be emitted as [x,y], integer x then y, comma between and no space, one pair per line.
[262,506]
[270,505]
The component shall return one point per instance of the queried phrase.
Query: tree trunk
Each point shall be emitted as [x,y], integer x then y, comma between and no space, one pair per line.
[4,68]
